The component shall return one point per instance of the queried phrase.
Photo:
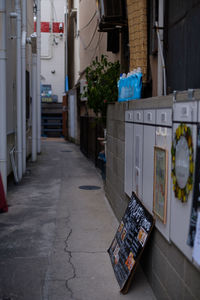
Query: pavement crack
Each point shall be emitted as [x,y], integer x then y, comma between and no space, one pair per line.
[90,252]
[73,274]
[70,262]
[68,236]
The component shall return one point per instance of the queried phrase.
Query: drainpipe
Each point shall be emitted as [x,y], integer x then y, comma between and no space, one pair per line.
[34,98]
[66,46]
[164,83]
[3,135]
[160,68]
[19,86]
[38,31]
[23,47]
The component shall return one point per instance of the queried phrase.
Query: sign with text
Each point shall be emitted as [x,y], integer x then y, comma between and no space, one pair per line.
[129,241]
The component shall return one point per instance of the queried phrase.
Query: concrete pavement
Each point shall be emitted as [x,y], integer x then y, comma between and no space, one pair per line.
[55,236]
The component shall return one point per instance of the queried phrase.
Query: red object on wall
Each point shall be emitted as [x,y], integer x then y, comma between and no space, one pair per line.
[45,27]
[56,27]
[3,204]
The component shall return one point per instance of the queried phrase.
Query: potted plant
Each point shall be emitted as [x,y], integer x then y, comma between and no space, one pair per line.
[102,77]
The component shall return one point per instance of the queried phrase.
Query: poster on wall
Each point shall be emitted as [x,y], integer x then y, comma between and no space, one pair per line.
[129,241]
[160,183]
[196,195]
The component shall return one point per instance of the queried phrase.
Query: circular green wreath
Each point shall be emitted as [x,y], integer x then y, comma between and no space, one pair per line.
[182,193]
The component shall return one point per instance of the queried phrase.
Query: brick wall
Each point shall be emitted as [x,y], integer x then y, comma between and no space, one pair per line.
[137,22]
[168,271]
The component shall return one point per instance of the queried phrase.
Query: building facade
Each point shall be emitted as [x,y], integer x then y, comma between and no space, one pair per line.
[17,27]
[53,46]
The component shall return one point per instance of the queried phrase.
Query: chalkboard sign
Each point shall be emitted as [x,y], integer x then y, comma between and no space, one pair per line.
[129,241]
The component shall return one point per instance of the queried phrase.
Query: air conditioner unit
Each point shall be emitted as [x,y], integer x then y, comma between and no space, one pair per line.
[110,8]
[112,14]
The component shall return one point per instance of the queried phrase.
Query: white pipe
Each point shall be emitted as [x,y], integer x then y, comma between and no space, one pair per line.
[18,87]
[66,44]
[38,31]
[3,136]
[23,47]
[12,158]
[102,8]
[34,106]
[50,47]
[162,61]
[161,25]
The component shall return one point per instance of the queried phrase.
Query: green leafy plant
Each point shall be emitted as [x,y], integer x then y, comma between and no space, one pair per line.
[102,77]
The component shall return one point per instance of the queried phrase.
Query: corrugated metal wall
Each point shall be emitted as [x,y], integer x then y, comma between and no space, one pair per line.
[182,44]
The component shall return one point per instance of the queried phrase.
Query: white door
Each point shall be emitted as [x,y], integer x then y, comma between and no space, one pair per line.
[128,172]
[138,153]
[181,212]
[148,159]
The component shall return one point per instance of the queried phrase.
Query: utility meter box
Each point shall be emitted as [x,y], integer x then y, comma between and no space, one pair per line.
[128,172]
[138,128]
[148,157]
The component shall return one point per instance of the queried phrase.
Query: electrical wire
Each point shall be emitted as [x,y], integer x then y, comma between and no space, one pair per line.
[85,48]
[31,26]
[54,11]
[99,41]
[89,21]
[95,49]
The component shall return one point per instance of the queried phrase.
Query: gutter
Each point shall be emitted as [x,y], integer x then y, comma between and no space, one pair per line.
[17,15]
[38,31]
[3,57]
[23,51]
[34,98]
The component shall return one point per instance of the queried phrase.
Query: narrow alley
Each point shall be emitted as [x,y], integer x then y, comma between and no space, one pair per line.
[55,236]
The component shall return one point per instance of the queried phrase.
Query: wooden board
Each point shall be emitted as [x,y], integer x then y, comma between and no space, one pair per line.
[129,241]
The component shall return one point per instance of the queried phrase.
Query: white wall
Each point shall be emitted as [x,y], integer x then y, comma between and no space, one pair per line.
[90,46]
[52,47]
[11,70]
[77,45]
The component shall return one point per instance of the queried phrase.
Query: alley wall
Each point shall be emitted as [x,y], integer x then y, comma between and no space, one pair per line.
[53,46]
[170,273]
[92,42]
[11,106]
